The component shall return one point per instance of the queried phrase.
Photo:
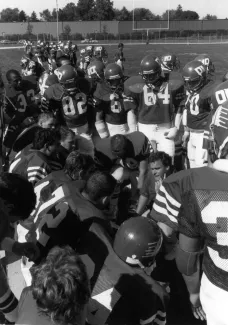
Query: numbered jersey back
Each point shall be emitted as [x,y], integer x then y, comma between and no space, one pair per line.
[74,110]
[201,204]
[220,95]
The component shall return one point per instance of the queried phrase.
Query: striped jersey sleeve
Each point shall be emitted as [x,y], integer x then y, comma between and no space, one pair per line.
[37,169]
[167,203]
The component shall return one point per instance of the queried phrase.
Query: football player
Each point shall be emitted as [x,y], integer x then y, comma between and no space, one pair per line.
[34,162]
[20,104]
[121,290]
[123,154]
[169,62]
[100,53]
[195,202]
[158,103]
[206,60]
[68,100]
[119,56]
[111,116]
[197,109]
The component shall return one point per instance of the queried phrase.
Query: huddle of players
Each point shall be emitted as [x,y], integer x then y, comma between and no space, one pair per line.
[152,103]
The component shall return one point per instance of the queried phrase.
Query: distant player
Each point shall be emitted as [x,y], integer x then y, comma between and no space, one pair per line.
[119,56]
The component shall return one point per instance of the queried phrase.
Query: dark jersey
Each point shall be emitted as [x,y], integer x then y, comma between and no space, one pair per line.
[196,201]
[73,109]
[120,294]
[155,106]
[111,104]
[140,149]
[198,107]
[30,163]
[219,95]
[119,56]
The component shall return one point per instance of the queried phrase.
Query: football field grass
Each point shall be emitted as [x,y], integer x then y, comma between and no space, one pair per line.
[10,59]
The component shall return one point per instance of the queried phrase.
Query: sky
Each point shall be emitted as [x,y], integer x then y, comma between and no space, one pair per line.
[202,7]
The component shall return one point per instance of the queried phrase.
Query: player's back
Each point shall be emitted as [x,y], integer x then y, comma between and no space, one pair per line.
[121,294]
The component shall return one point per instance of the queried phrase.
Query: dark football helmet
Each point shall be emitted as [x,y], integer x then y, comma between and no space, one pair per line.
[206,60]
[67,76]
[150,70]
[89,50]
[96,70]
[100,54]
[195,76]
[170,62]
[114,77]
[137,241]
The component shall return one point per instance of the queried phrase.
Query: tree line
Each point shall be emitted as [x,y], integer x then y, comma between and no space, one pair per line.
[98,10]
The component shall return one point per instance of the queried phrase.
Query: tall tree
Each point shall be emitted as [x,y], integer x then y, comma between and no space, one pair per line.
[33,16]
[125,14]
[210,17]
[104,10]
[46,15]
[179,12]
[9,14]
[22,16]
[70,12]
[143,14]
[85,9]
[169,13]
[189,15]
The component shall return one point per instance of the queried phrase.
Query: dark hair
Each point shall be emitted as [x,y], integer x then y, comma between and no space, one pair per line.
[19,192]
[99,185]
[61,59]
[65,132]
[161,155]
[45,137]
[10,72]
[120,145]
[43,117]
[60,286]
[76,162]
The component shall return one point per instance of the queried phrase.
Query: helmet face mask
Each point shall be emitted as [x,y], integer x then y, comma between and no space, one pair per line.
[100,54]
[67,77]
[206,60]
[170,62]
[195,77]
[150,71]
[114,77]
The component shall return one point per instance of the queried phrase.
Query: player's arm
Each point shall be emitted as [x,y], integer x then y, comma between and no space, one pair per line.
[187,260]
[100,124]
[143,166]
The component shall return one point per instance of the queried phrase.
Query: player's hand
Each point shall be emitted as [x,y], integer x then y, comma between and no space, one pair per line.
[171,133]
[197,308]
[30,250]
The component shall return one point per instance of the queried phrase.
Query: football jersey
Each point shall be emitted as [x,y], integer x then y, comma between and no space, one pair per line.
[73,109]
[140,150]
[60,219]
[120,294]
[155,105]
[18,102]
[195,202]
[219,95]
[30,163]
[198,106]
[111,104]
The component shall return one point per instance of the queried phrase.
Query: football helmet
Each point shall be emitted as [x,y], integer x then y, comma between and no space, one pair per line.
[82,53]
[100,54]
[89,50]
[219,128]
[114,77]
[206,60]
[150,70]
[67,77]
[96,70]
[170,62]
[120,46]
[137,241]
[195,76]
[46,80]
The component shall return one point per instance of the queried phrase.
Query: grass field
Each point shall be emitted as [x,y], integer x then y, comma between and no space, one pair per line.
[9,59]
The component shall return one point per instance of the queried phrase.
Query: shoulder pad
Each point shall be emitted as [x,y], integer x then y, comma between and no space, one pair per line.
[134,84]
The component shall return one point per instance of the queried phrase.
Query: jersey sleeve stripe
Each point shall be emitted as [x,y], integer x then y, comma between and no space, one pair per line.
[163,202]
[158,318]
[164,211]
[174,202]
[43,170]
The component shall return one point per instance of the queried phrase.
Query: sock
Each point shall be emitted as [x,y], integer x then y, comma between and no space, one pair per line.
[8,306]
